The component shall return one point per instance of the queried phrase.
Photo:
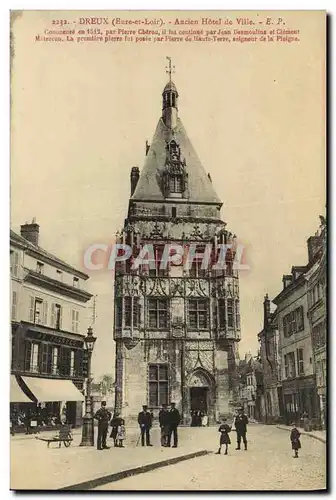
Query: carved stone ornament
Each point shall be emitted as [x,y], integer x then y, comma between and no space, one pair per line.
[131,343]
[198,380]
[157,232]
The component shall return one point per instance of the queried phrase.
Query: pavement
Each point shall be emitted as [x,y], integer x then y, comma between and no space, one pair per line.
[268,463]
[319,435]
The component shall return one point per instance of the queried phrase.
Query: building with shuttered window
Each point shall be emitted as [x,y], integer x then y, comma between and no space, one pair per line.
[49,319]
[176,328]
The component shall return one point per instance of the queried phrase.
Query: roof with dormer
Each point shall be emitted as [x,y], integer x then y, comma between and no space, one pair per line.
[16,239]
[200,188]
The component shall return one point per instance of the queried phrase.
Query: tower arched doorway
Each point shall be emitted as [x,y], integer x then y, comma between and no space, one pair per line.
[201,389]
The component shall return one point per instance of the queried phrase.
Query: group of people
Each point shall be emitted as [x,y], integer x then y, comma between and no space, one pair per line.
[240,426]
[169,420]
[198,419]
[33,419]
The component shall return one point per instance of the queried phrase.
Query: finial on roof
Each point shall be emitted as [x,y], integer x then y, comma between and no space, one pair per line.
[34,220]
[170,69]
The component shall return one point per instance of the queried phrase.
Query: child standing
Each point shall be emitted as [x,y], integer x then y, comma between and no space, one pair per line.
[224,430]
[121,434]
[295,440]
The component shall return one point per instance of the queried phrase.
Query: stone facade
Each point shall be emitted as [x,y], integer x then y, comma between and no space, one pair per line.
[296,349]
[49,320]
[317,315]
[271,407]
[176,329]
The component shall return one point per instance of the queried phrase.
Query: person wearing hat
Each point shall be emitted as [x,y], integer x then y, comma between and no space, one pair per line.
[240,424]
[145,423]
[174,418]
[164,424]
[103,416]
[115,423]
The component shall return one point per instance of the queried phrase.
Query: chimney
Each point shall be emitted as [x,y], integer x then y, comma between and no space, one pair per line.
[31,232]
[267,310]
[314,245]
[135,174]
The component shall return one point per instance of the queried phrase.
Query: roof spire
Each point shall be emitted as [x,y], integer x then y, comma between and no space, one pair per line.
[170,69]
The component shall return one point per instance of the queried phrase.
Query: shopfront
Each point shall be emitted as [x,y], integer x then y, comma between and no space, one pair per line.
[299,397]
[44,402]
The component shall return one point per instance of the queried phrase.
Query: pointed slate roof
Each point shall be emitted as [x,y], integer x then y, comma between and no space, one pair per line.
[199,186]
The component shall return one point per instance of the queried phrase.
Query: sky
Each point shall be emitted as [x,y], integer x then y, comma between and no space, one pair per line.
[255,114]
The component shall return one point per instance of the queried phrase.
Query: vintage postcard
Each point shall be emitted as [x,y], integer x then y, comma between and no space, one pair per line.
[168,250]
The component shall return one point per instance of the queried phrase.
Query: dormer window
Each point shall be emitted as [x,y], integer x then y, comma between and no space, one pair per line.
[40,267]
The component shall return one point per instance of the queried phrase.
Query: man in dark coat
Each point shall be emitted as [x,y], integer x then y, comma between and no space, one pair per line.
[240,423]
[103,416]
[174,419]
[115,423]
[145,423]
[164,424]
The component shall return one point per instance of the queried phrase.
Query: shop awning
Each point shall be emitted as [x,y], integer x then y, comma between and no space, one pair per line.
[16,393]
[47,389]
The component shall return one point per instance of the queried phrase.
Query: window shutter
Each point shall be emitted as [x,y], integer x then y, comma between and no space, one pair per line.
[45,313]
[53,317]
[31,308]
[14,304]
[60,319]
[73,316]
[77,321]
[28,348]
[15,264]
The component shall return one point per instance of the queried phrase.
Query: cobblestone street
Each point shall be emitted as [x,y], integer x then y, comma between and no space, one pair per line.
[267,465]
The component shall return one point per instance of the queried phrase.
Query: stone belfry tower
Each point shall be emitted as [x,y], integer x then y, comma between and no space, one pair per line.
[176,329]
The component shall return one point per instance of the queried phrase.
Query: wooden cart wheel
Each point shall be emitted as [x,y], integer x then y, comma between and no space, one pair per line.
[67,444]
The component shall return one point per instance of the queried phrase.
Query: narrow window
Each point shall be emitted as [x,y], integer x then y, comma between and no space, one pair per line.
[230,312]
[300,362]
[158,313]
[157,385]
[38,311]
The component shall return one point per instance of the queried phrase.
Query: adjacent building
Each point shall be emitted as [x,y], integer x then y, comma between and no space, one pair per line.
[250,385]
[317,312]
[176,329]
[48,324]
[271,399]
[301,316]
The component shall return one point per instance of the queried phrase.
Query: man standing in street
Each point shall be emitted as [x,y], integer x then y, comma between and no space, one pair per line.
[103,416]
[145,423]
[164,425]
[174,419]
[240,423]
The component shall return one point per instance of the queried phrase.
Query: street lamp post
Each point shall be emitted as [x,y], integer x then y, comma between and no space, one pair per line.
[88,426]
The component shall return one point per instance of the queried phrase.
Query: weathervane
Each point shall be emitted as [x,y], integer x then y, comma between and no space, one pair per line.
[170,69]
